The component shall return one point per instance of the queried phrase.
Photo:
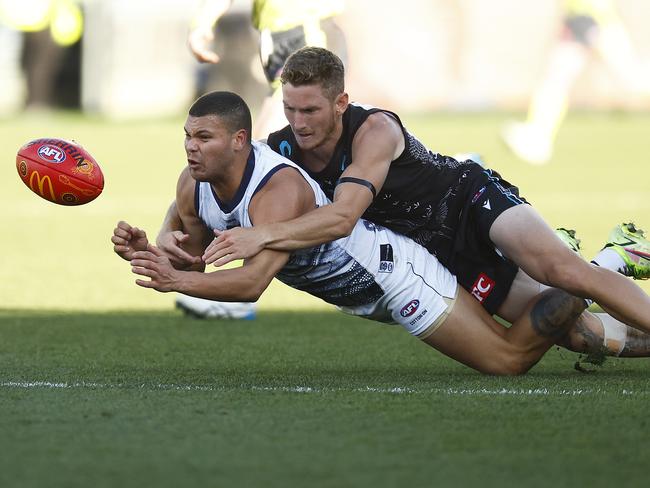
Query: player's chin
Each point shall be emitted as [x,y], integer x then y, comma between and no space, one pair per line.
[197,173]
[307,142]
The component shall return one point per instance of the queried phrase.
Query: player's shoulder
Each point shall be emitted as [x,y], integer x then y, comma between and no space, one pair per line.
[185,180]
[370,117]
[185,189]
[277,171]
[281,141]
[382,120]
[380,126]
[283,195]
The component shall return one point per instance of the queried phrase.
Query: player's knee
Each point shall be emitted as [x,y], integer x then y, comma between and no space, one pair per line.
[555,312]
[509,363]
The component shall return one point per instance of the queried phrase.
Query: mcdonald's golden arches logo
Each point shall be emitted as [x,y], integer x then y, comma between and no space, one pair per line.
[41,182]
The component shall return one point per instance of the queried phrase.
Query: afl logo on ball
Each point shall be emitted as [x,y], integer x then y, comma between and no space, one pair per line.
[51,154]
[410,308]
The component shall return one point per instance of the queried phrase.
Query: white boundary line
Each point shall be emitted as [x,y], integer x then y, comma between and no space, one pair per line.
[310,389]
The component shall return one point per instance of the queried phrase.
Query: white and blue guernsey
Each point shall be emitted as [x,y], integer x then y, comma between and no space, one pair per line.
[373,273]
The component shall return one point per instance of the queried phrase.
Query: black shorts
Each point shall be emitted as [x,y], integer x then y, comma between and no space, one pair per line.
[478,266]
[284,43]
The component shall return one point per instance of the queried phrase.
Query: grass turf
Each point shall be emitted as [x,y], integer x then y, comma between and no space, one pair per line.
[103,383]
[297,399]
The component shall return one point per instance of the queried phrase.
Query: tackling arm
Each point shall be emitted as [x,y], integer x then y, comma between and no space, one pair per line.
[286,195]
[377,143]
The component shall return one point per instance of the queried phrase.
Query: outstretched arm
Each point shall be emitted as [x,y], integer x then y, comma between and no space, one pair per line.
[243,284]
[183,236]
[377,143]
[286,195]
[127,240]
[172,239]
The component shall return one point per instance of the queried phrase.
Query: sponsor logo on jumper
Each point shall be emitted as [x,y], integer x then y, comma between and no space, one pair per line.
[486,205]
[51,154]
[478,194]
[482,287]
[386,262]
[410,308]
[285,149]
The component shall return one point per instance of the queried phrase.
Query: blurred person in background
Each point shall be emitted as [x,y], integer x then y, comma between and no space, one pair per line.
[284,26]
[49,28]
[589,28]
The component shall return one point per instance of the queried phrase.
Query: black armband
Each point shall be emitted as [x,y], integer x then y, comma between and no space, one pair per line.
[358,181]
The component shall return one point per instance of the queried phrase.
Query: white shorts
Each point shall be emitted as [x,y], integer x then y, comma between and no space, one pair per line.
[419,291]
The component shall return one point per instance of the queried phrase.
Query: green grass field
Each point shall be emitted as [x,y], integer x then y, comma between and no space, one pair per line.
[105,384]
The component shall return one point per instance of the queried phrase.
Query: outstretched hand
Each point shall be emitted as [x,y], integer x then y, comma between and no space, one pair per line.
[232,244]
[154,264]
[170,243]
[127,240]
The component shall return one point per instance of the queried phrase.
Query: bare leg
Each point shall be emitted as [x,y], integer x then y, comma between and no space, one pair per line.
[522,235]
[590,336]
[593,333]
[471,336]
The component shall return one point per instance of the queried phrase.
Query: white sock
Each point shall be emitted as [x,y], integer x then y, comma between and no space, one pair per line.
[614,333]
[609,259]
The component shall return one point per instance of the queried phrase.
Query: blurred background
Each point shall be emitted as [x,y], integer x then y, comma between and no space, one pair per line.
[129,59]
[117,76]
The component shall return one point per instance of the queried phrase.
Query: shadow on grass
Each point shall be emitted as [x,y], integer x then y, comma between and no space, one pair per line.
[323,350]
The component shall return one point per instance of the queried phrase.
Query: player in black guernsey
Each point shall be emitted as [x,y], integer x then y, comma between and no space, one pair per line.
[474,221]
[429,198]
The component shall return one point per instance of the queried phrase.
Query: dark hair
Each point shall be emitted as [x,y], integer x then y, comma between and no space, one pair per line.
[315,66]
[228,106]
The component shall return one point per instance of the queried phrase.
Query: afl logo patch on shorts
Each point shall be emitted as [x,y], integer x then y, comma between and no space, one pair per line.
[410,308]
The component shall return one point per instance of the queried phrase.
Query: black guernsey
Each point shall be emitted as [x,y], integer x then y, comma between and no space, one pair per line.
[426,196]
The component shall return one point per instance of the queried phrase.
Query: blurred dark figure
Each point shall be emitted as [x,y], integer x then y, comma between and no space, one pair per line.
[51,49]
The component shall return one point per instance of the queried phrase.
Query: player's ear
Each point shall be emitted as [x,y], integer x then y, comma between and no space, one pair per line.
[240,139]
[341,103]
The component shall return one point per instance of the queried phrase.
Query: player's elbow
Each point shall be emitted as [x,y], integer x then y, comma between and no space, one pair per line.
[253,294]
[342,229]
[344,224]
[252,289]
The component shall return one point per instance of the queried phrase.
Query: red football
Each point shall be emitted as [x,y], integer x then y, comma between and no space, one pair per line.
[60,171]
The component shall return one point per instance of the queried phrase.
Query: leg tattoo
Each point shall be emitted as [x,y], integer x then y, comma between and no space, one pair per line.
[555,312]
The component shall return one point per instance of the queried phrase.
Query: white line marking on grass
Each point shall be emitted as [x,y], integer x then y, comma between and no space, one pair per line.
[313,389]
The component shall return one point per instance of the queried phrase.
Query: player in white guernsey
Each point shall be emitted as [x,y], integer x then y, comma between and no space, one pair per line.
[374,273]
